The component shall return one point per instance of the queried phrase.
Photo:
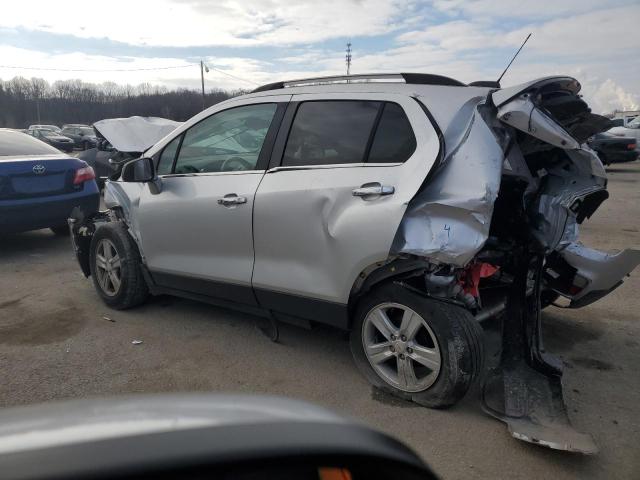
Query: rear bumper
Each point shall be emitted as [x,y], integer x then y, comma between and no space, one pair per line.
[625,156]
[44,212]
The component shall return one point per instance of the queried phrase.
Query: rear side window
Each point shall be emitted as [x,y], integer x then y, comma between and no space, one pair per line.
[165,163]
[18,143]
[342,132]
[330,132]
[394,141]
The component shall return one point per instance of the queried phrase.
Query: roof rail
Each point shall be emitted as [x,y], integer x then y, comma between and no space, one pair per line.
[409,78]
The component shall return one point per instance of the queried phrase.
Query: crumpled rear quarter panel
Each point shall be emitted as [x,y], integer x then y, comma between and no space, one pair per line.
[448,220]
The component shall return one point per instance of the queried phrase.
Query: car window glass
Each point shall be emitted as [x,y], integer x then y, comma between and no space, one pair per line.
[230,140]
[330,132]
[394,141]
[165,163]
[15,143]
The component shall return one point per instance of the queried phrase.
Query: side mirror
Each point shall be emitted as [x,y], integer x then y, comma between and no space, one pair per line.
[139,170]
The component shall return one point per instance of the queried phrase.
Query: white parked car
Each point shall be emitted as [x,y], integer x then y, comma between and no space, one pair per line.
[631,130]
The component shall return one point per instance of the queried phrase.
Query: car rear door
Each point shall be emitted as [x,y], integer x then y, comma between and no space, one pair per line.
[343,169]
[196,234]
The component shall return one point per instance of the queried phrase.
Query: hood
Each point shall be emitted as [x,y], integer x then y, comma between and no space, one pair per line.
[134,134]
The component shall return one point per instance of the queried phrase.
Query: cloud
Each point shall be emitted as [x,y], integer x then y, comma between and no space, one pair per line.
[269,40]
[222,23]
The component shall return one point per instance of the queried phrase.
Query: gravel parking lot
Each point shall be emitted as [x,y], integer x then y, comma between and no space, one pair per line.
[57,340]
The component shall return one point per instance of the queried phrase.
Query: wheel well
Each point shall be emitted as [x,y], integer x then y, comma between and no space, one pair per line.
[377,273]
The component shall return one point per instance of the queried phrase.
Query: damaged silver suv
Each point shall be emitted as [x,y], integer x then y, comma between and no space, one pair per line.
[405,208]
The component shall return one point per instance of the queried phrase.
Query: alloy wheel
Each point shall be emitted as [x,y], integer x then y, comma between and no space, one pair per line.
[108,267]
[401,347]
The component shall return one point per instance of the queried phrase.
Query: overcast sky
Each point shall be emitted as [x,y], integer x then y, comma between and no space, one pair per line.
[596,41]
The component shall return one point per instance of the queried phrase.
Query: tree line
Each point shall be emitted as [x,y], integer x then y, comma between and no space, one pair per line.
[24,102]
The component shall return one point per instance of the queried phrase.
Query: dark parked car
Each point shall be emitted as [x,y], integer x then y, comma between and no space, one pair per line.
[195,437]
[52,138]
[39,186]
[613,148]
[83,137]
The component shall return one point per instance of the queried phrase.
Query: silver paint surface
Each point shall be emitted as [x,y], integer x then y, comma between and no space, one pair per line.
[448,221]
[310,236]
[313,237]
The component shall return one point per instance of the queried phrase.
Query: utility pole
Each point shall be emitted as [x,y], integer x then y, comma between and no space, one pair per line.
[202,80]
[348,58]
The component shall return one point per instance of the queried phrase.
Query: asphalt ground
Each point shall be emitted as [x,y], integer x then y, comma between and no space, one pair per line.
[58,341]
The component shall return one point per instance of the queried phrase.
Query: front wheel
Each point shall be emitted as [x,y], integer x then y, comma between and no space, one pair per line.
[416,348]
[116,267]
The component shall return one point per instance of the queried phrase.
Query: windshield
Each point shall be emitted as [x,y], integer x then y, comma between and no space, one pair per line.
[87,131]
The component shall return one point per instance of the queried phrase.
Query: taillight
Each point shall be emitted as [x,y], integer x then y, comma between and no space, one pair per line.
[631,146]
[83,175]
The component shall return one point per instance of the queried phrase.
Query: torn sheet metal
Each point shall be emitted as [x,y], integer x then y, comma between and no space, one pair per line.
[448,221]
[571,191]
[531,404]
[602,271]
[135,134]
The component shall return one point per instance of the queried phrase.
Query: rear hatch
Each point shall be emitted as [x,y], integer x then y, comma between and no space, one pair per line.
[29,177]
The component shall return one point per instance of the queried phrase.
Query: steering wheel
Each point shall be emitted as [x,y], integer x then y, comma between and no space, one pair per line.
[234,164]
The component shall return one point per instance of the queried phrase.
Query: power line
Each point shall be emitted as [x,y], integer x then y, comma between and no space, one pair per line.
[233,76]
[106,70]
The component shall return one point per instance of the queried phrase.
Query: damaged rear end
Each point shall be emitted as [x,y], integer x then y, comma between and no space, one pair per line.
[498,222]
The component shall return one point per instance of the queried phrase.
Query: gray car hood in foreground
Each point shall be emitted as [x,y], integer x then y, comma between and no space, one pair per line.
[80,421]
[135,134]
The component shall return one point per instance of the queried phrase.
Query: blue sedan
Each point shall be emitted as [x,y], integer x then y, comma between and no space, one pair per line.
[39,185]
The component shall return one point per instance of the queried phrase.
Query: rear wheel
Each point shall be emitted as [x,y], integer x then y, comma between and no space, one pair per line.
[416,348]
[116,267]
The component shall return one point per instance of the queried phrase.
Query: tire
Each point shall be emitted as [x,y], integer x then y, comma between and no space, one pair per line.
[132,289]
[61,230]
[455,334]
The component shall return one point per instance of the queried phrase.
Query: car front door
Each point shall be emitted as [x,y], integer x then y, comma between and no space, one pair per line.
[196,234]
[330,205]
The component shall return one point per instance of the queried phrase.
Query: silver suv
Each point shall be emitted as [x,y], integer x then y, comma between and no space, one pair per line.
[404,208]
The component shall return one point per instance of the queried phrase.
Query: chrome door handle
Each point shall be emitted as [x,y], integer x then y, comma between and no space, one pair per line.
[370,189]
[231,199]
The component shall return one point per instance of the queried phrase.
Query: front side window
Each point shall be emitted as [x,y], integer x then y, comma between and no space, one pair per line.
[330,132]
[230,140]
[165,162]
